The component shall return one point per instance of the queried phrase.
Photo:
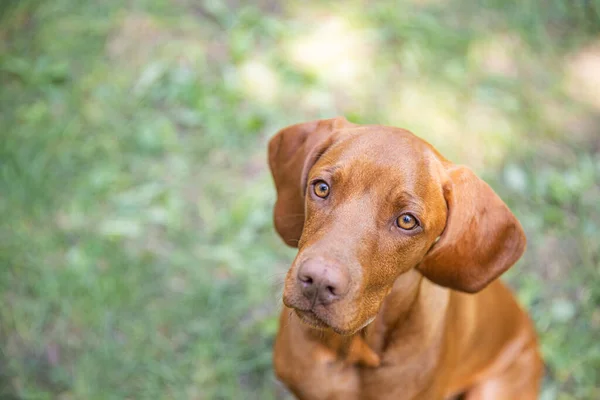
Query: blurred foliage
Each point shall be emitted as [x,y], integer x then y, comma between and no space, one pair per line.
[137,252]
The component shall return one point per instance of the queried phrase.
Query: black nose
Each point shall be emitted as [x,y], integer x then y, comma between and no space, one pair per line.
[322,282]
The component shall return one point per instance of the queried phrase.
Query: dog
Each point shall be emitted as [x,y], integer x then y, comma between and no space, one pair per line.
[393,293]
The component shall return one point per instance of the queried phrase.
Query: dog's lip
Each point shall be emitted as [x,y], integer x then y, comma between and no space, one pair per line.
[311,318]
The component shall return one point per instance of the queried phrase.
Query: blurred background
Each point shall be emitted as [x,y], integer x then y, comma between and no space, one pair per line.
[137,254]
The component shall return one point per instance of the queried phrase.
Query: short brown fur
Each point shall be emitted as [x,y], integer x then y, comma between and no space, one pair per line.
[421,314]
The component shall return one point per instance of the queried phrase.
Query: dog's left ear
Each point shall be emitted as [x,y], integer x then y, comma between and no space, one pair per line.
[292,152]
[482,238]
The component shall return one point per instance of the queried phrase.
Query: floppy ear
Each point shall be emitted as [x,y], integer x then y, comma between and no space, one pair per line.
[482,238]
[292,152]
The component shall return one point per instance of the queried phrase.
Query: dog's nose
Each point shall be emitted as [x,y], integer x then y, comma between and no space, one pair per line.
[322,281]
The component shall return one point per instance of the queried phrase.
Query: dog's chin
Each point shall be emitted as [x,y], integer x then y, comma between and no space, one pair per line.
[311,319]
[314,321]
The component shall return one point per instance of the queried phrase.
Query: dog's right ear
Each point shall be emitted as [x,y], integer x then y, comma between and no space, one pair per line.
[482,237]
[292,152]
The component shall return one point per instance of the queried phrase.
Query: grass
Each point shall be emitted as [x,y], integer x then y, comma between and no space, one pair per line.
[137,250]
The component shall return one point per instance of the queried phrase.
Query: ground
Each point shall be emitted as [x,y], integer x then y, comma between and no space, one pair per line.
[138,257]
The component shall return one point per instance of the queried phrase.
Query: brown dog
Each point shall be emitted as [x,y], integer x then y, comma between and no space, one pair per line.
[393,240]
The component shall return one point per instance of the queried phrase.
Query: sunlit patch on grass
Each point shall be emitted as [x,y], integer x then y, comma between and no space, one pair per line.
[315,100]
[259,81]
[335,51]
[497,54]
[583,75]
[466,132]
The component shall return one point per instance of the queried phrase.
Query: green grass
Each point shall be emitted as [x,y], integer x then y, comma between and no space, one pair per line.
[137,250]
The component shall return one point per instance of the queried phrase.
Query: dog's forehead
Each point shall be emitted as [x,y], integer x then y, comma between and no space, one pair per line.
[393,163]
[385,148]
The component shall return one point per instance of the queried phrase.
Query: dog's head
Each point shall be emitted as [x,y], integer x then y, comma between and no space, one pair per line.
[365,204]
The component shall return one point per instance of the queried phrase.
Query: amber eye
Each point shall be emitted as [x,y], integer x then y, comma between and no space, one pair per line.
[407,222]
[321,189]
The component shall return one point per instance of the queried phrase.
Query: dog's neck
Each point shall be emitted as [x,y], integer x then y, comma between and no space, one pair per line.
[409,312]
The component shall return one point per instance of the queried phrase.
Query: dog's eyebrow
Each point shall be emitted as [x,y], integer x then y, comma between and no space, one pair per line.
[403,198]
[330,170]
[399,193]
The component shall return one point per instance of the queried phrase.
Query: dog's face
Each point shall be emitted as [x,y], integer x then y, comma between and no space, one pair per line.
[373,207]
[371,203]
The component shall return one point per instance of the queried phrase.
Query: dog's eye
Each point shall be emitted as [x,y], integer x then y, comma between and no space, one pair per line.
[321,189]
[407,222]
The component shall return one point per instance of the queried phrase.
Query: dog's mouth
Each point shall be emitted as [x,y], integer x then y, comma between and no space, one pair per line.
[324,319]
[313,320]
[310,318]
